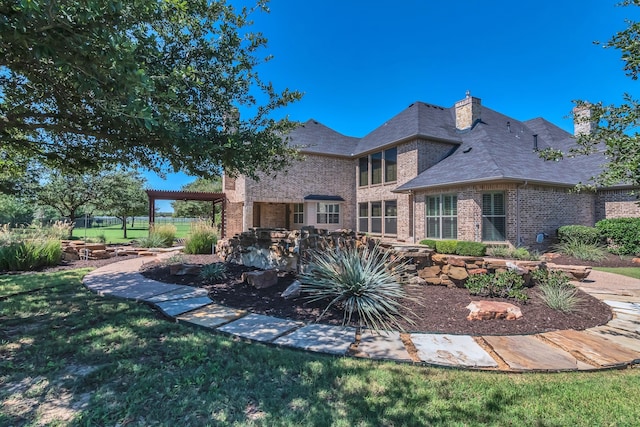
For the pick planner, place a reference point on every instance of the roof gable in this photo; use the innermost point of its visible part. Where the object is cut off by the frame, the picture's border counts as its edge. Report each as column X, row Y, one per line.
column 314, row 137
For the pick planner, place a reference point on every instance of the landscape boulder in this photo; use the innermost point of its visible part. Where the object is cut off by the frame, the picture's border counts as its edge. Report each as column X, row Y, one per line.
column 487, row 310
column 261, row 279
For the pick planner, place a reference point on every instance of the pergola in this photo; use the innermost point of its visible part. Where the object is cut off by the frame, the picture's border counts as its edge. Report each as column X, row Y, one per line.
column 214, row 198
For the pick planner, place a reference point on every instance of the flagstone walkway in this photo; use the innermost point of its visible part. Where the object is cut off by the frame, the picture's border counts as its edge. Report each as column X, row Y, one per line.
column 614, row 345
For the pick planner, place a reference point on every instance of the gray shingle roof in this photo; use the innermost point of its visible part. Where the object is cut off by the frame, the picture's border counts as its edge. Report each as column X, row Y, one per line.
column 491, row 150
column 316, row 138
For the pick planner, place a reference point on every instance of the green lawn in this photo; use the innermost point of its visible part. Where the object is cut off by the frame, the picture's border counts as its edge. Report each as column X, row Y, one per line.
column 66, row 353
column 625, row 271
column 114, row 233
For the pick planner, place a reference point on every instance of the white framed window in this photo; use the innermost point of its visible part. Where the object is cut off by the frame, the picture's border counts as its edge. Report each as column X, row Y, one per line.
column 328, row 213
column 298, row 213
column 390, row 217
column 442, row 216
column 494, row 217
column 376, row 217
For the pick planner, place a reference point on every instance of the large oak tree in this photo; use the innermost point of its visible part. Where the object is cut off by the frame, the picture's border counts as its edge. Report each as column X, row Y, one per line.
column 158, row 84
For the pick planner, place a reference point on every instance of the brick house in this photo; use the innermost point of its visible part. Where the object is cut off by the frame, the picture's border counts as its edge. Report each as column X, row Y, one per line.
column 465, row 172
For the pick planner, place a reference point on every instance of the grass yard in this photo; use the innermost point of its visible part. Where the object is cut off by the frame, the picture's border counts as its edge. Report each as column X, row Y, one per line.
column 70, row 357
column 625, row 271
column 114, row 233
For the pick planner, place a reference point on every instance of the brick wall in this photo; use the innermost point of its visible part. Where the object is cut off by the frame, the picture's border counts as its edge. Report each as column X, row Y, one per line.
column 540, row 209
column 616, row 204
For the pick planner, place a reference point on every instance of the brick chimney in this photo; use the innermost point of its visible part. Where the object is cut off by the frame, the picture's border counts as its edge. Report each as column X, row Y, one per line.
column 467, row 112
column 582, row 123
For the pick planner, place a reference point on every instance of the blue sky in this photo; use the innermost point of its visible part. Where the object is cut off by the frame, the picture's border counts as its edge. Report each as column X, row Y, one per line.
column 359, row 63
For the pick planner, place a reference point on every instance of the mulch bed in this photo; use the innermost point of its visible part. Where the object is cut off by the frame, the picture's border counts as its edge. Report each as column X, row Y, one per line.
column 432, row 308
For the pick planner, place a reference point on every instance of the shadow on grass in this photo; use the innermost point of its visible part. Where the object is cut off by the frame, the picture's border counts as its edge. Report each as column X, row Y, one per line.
column 120, row 363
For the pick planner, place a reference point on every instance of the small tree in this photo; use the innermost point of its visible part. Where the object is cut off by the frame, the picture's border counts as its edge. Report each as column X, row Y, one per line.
column 123, row 196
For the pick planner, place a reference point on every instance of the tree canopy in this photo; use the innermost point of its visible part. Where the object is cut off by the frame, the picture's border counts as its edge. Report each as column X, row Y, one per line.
column 165, row 85
column 616, row 126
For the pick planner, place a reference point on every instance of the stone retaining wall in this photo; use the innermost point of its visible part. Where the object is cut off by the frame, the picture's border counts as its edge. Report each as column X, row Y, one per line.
column 286, row 250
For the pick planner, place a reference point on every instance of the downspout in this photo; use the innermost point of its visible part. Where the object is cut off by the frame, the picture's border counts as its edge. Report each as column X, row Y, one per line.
column 412, row 203
column 518, row 237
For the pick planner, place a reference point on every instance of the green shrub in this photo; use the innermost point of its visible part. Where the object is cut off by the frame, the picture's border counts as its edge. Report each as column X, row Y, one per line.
column 558, row 293
column 30, row 254
column 202, row 239
column 622, row 234
column 580, row 233
column 582, row 250
column 499, row 251
column 166, row 232
column 153, row 240
column 507, row 284
column 429, row 243
column 471, row 248
column 446, row 246
column 359, row 282
column 213, row 273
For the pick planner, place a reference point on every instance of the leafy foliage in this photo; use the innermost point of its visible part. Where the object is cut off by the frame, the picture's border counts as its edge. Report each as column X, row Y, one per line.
column 362, row 283
column 155, row 84
column 446, row 246
column 580, row 249
column 471, row 248
column 557, row 292
column 429, row 243
column 581, row 233
column 122, row 195
column 201, row 239
column 153, row 240
column 212, row 273
column 519, row 253
column 506, row 284
column 622, row 234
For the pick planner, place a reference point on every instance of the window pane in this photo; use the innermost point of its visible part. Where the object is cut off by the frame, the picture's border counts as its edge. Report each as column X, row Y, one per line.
column 433, row 205
column 363, row 225
column 449, row 205
column 363, row 209
column 390, row 208
column 390, row 164
column 450, row 228
column 390, row 226
column 364, row 170
column 376, row 225
column 493, row 229
column 376, row 209
column 376, row 168
column 433, row 228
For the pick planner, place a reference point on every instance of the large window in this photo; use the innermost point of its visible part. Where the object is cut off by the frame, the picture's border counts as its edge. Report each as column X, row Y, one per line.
column 391, row 217
column 378, row 167
column 442, row 216
column 363, row 217
column 328, row 213
column 493, row 217
column 363, row 164
column 298, row 213
column 391, row 165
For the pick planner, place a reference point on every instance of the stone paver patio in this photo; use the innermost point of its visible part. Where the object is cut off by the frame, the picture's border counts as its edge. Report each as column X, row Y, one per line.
column 614, row 345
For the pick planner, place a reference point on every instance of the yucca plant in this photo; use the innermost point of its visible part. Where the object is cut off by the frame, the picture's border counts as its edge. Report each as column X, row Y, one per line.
column 213, row 273
column 362, row 282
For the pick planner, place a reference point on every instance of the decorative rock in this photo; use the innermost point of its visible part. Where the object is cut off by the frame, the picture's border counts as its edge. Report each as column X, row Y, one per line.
column 293, row 291
column 434, row 281
column 457, row 262
column 439, row 258
column 430, row 272
column 636, row 260
column 261, row 279
column 457, row 273
column 477, row 271
column 486, row 310
column 521, row 271
column 417, row 281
